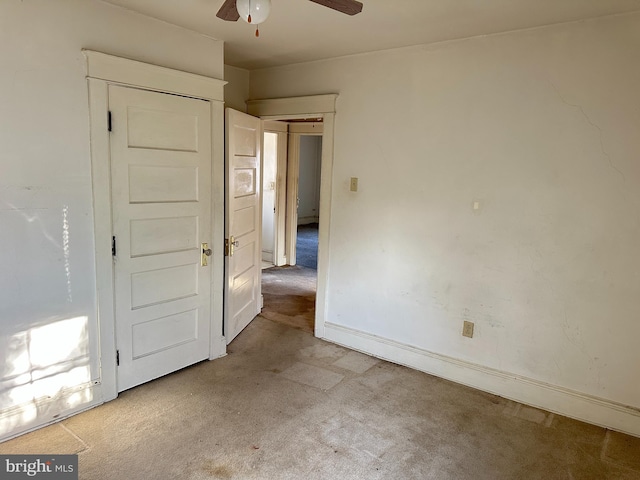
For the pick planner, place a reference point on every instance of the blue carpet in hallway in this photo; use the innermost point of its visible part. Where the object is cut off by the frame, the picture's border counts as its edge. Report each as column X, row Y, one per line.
column 307, row 246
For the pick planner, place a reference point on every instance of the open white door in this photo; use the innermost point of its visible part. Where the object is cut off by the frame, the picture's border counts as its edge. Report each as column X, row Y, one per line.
column 161, row 196
column 242, row 224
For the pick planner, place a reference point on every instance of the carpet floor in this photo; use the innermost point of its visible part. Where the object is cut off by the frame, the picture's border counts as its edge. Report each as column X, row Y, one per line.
column 290, row 295
column 285, row 405
column 307, row 246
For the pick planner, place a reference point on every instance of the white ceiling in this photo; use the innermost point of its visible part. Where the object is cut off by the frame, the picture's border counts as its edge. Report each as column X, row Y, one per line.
column 299, row 30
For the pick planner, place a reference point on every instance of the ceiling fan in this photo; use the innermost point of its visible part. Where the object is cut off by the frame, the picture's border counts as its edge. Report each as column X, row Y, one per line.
column 257, row 11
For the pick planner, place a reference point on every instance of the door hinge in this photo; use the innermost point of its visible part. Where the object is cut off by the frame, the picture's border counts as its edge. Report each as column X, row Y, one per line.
column 109, row 125
column 113, row 246
column 117, row 358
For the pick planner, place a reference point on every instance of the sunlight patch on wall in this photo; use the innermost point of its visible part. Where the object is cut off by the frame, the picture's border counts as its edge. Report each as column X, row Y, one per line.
column 65, row 249
column 47, row 372
column 58, row 342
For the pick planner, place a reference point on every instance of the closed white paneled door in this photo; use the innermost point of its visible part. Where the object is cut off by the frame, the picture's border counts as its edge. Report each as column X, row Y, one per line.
column 243, row 222
column 161, row 201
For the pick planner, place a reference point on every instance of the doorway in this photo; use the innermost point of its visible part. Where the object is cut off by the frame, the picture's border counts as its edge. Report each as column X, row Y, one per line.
column 291, row 185
column 320, row 107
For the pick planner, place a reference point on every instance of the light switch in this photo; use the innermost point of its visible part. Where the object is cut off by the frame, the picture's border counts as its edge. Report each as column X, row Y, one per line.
column 467, row 329
column 353, row 186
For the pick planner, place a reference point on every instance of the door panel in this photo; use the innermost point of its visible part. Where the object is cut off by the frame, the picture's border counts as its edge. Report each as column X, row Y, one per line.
column 153, row 184
column 161, row 200
column 243, row 221
column 163, row 235
column 162, row 130
column 164, row 332
column 162, row 285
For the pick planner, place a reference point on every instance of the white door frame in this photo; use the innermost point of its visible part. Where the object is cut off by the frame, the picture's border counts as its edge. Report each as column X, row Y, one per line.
column 316, row 106
column 102, row 70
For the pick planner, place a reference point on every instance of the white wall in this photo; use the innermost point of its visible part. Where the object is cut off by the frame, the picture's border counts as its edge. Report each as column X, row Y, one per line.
column 539, row 127
column 236, row 92
column 309, row 179
column 48, row 318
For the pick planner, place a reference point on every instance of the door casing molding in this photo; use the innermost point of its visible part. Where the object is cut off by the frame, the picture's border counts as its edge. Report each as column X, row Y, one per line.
column 315, row 106
column 104, row 70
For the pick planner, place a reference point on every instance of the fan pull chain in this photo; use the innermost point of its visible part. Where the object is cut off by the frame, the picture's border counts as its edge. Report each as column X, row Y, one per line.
column 257, row 31
column 249, row 19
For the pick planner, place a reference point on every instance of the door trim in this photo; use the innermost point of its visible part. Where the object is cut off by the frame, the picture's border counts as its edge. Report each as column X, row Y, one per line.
column 316, row 106
column 102, row 66
column 102, row 70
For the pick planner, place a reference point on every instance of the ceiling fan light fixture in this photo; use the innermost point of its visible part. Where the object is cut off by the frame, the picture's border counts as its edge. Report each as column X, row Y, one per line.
column 253, row 11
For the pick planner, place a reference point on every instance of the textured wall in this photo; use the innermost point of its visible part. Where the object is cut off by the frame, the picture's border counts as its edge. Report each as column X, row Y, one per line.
column 48, row 324
column 538, row 130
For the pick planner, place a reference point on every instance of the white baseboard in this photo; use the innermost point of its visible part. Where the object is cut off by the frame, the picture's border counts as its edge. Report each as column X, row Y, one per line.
column 308, row 220
column 563, row 401
column 20, row 419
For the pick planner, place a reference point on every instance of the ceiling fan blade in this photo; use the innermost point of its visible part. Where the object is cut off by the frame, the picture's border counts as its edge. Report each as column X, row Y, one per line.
column 350, row 7
column 228, row 11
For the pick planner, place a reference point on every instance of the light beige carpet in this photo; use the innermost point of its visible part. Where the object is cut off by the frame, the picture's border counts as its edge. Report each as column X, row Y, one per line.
column 285, row 405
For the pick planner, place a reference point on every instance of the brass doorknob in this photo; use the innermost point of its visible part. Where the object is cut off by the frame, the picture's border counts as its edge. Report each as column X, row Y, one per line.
column 206, row 252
